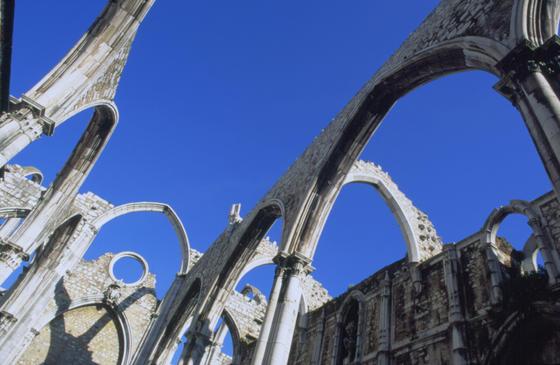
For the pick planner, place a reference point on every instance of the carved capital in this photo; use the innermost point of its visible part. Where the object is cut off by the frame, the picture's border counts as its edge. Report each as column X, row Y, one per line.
column 112, row 294
column 297, row 265
column 11, row 255
column 7, row 320
column 525, row 59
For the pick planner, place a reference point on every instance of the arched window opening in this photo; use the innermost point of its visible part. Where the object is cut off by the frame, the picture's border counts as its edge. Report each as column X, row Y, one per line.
column 180, row 324
column 460, row 153
column 516, row 241
column 348, row 333
column 274, row 234
column 259, row 278
column 225, row 342
column 360, row 237
column 179, row 353
column 515, row 230
column 148, row 234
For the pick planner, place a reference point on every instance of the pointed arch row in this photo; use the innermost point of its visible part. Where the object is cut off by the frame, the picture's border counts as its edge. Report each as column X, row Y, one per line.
column 173, row 218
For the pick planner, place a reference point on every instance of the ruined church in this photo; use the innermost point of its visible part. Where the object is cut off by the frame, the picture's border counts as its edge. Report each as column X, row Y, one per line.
column 476, row 301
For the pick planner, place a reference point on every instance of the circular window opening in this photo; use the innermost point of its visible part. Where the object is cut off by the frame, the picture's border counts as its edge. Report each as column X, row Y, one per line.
column 129, row 268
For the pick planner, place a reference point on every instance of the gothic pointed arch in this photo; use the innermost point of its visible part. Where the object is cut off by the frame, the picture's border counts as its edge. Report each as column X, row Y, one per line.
column 420, row 235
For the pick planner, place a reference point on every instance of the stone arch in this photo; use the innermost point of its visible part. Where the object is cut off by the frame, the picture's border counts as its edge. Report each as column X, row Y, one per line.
column 257, row 295
column 530, row 251
column 173, row 218
column 253, row 264
column 233, row 328
column 346, row 137
column 42, row 218
column 490, row 231
column 33, row 173
column 246, row 243
column 419, row 233
column 492, row 224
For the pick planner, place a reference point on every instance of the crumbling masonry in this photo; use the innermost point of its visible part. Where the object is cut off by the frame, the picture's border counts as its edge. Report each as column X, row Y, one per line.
column 477, row 301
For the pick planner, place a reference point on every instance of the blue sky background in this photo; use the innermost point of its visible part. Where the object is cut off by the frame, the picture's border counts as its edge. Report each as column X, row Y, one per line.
column 220, row 97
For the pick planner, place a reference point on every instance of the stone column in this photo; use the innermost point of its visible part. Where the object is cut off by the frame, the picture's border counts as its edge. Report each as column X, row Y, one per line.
column 545, row 249
column 456, row 319
column 217, row 344
column 495, row 271
column 264, row 334
column 21, row 127
column 384, row 321
column 285, row 318
column 528, row 71
column 197, row 348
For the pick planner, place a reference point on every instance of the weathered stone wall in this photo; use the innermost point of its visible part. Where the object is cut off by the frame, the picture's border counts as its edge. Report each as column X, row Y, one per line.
column 85, row 328
column 420, row 322
column 86, row 335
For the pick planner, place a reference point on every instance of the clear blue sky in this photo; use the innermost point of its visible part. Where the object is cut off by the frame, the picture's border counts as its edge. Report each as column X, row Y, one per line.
column 220, row 97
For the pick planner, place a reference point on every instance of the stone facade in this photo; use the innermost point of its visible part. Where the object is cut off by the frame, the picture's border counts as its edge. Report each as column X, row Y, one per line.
column 477, row 301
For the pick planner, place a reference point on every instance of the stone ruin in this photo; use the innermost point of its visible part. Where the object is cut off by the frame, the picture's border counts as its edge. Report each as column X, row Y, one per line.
column 477, row 301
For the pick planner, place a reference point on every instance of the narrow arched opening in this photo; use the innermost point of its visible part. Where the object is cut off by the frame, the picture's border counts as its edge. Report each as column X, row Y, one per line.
column 348, row 329
column 361, row 236
column 176, row 343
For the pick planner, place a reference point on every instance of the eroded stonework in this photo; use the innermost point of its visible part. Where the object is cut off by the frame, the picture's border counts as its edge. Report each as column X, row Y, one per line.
column 478, row 301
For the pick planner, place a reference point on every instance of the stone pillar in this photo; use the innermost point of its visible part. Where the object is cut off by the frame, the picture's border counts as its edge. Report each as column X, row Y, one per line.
column 456, row 319
column 11, row 257
column 545, row 249
column 197, row 348
column 21, row 127
column 260, row 347
column 384, row 321
column 495, row 270
column 217, row 344
column 285, row 318
column 529, row 75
